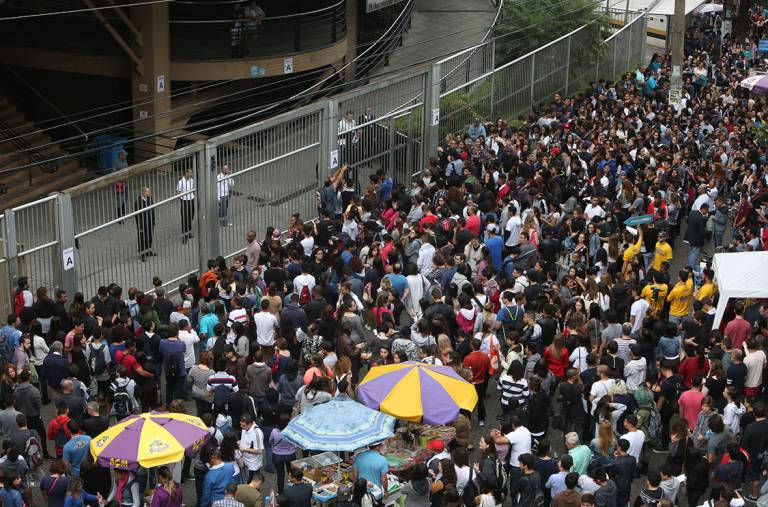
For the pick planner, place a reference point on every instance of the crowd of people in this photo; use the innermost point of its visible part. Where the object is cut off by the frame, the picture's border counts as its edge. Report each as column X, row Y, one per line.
column 508, row 260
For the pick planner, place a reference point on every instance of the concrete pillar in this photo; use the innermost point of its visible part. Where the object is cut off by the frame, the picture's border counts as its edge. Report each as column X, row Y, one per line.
column 349, row 73
column 151, row 81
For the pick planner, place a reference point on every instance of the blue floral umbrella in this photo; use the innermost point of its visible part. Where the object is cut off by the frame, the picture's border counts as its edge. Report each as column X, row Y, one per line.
column 339, row 425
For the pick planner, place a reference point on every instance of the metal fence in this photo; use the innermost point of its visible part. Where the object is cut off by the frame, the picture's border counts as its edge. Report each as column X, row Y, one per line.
column 276, row 165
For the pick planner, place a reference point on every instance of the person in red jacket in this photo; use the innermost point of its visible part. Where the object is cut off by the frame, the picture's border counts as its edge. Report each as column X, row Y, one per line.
column 557, row 356
column 58, row 429
column 479, row 363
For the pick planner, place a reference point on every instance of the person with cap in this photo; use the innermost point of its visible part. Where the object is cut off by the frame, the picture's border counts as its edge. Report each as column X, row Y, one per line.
column 438, row 447
column 182, row 313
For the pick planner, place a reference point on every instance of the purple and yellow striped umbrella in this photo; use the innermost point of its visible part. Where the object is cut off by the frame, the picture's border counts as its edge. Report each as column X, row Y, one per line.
column 149, row 440
column 417, row 392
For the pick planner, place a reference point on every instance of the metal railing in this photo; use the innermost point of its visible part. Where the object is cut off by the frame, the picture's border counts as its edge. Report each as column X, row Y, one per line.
column 206, row 39
column 276, row 165
column 25, row 152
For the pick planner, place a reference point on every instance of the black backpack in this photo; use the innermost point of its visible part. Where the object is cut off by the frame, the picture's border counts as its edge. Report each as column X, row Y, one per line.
column 96, row 359
column 122, row 404
column 173, row 369
column 220, row 397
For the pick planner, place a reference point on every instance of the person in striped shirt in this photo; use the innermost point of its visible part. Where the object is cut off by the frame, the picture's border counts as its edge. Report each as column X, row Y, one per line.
column 513, row 386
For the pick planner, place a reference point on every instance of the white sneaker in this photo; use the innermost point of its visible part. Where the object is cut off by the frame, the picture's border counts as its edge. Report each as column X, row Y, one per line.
column 481, row 423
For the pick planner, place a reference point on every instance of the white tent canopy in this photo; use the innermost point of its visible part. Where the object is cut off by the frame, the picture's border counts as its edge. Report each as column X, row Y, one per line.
column 739, row 275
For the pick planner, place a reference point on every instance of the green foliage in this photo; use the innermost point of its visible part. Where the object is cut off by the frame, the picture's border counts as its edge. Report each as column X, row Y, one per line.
column 533, row 24
column 760, row 133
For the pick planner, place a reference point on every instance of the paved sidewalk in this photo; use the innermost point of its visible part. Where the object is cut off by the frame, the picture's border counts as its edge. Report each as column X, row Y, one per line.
column 439, row 28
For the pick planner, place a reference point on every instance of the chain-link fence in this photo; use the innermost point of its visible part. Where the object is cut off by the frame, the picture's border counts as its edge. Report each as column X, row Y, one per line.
column 166, row 217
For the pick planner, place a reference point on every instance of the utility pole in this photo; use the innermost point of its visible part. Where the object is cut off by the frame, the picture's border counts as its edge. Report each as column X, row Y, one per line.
column 678, row 36
column 727, row 18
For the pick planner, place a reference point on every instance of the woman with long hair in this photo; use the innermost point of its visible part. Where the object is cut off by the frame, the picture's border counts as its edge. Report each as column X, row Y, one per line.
column 360, row 495
column 167, row 492
column 76, row 495
column 557, row 356
column 231, row 453
column 8, row 381
column 342, row 377
column 694, row 365
column 446, row 478
column 604, row 444
column 313, row 393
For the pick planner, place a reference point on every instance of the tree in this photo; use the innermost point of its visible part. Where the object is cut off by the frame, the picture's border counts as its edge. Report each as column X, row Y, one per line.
column 534, row 24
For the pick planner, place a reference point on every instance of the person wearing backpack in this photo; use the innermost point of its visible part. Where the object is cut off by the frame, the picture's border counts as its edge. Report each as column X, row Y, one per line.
column 489, row 472
column 77, row 449
column 669, row 393
column 172, row 349
column 28, row 441
column 220, row 385
column 29, row 402
column 9, row 339
column 526, row 491
column 22, row 296
column 123, row 399
column 58, row 431
column 99, row 361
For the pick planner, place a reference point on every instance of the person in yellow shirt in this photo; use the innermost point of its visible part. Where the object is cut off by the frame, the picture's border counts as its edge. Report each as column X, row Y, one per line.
column 663, row 251
column 631, row 252
column 656, row 293
column 680, row 298
column 708, row 287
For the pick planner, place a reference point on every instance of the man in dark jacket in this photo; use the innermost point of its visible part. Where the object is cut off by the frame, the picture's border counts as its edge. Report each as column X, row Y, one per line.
column 607, row 495
column 56, row 366
column 145, row 223
column 696, row 234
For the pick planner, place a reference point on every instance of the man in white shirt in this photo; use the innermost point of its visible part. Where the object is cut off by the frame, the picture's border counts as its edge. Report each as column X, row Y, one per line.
column 635, row 437
column 266, row 325
column 638, row 310
column 426, row 254
column 224, row 188
column 701, row 198
column 601, row 387
column 251, row 445
column 304, row 280
column 594, row 209
column 513, row 227
column 189, row 336
column 519, row 440
column 186, row 190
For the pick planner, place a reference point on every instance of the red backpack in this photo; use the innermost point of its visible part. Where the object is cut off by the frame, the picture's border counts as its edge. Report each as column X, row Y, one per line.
column 305, row 297
column 18, row 302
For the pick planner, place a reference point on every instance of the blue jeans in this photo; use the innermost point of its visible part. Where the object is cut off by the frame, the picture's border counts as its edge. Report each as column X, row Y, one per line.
column 648, row 258
column 693, row 256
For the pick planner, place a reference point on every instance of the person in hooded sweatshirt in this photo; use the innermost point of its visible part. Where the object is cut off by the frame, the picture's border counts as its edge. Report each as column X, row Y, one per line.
column 569, row 497
column 670, row 485
column 417, row 489
column 608, row 492
column 699, row 434
column 216, row 479
column 733, row 410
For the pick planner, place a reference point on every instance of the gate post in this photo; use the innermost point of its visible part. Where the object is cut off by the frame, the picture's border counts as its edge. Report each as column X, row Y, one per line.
column 207, row 203
column 431, row 135
column 11, row 251
column 65, row 236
